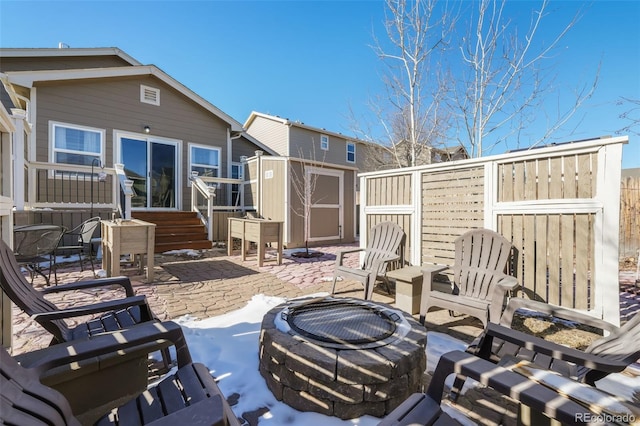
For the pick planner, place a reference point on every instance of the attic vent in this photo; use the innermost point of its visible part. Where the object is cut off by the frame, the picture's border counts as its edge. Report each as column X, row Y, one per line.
column 149, row 95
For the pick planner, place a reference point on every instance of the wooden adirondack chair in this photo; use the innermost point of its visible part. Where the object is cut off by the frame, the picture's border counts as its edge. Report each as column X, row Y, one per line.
column 479, row 281
column 386, row 239
column 609, row 354
column 188, row 397
column 116, row 314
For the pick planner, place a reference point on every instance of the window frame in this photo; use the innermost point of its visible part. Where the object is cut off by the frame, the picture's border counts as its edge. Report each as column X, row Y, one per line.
column 324, row 142
column 53, row 125
column 353, row 144
column 237, row 189
column 208, row 147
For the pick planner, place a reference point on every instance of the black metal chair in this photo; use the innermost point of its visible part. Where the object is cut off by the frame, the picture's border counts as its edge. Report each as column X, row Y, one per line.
column 35, row 245
column 81, row 237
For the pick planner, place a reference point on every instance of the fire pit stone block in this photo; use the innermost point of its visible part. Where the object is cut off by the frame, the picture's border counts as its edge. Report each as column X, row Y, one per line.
column 346, row 383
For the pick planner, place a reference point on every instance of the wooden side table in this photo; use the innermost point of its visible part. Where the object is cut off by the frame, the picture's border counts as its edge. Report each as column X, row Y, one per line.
column 409, row 285
column 134, row 237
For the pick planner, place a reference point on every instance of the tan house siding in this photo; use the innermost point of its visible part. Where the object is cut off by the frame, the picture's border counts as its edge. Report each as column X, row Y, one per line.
column 271, row 131
column 114, row 104
column 305, row 143
column 242, row 146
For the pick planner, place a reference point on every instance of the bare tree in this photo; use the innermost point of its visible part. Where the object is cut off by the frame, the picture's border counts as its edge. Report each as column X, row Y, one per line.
column 503, row 79
column 304, row 185
column 409, row 113
column 631, row 116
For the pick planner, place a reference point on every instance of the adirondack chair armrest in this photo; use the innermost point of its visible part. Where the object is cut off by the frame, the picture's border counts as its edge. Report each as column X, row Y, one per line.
column 540, row 398
column 507, row 283
column 342, row 253
column 122, row 281
column 429, row 271
column 516, row 303
column 92, row 309
column 209, row 411
column 545, row 347
column 143, row 334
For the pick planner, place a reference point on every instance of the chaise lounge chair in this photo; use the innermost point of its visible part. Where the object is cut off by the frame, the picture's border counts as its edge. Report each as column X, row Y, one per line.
column 385, row 240
column 190, row 396
column 479, row 281
column 609, row 354
column 425, row 409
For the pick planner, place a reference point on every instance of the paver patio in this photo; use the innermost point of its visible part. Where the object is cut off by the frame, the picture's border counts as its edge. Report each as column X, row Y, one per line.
column 212, row 284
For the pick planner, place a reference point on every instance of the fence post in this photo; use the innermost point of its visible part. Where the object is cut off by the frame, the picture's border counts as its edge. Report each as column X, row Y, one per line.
column 607, row 228
column 490, row 195
column 128, row 194
column 416, row 218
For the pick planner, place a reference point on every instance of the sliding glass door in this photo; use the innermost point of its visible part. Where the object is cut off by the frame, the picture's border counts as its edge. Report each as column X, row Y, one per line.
column 152, row 166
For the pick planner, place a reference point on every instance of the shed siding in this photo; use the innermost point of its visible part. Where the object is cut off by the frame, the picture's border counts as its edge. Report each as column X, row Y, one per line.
column 114, row 104
column 273, row 189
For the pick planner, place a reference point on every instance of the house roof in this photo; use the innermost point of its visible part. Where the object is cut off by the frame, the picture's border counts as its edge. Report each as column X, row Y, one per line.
column 287, row 122
column 28, row 78
column 51, row 52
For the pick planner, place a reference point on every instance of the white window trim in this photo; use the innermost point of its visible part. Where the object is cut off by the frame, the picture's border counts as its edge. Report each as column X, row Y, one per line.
column 190, row 164
column 145, row 100
column 53, row 150
column 322, row 147
column 353, row 144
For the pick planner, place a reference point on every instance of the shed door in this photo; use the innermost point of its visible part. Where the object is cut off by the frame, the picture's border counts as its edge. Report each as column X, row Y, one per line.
column 325, row 189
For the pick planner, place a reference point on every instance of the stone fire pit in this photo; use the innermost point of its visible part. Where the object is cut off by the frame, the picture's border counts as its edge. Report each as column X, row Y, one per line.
column 340, row 356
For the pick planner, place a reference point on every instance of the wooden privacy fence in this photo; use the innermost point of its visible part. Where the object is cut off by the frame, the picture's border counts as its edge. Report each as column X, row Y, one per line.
column 629, row 216
column 558, row 205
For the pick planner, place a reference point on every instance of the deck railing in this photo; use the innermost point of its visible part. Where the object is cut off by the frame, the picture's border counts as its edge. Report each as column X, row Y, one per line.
column 65, row 185
column 212, row 197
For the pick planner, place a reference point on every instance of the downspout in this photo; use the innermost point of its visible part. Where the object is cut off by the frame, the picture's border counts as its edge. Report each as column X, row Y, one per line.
column 230, row 138
column 19, row 117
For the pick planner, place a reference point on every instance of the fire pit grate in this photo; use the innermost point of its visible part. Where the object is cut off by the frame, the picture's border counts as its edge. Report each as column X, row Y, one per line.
column 332, row 321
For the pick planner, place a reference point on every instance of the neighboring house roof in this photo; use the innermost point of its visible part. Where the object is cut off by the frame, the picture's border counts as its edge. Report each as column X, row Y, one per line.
column 28, row 78
column 51, row 52
column 286, row 121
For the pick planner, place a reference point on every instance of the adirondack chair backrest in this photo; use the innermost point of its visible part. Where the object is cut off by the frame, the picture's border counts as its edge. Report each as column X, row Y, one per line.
column 26, row 401
column 481, row 257
column 620, row 345
column 384, row 240
column 22, row 293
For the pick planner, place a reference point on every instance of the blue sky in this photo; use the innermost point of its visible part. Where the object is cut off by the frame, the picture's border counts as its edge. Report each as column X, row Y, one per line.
column 312, row 60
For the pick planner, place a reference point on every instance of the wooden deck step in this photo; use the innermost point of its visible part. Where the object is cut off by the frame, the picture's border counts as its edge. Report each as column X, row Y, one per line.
column 176, row 230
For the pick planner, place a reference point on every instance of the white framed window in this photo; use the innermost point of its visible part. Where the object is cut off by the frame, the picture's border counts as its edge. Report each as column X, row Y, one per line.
column 351, row 152
column 205, row 160
column 149, row 95
column 74, row 144
column 237, row 172
column 324, row 142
